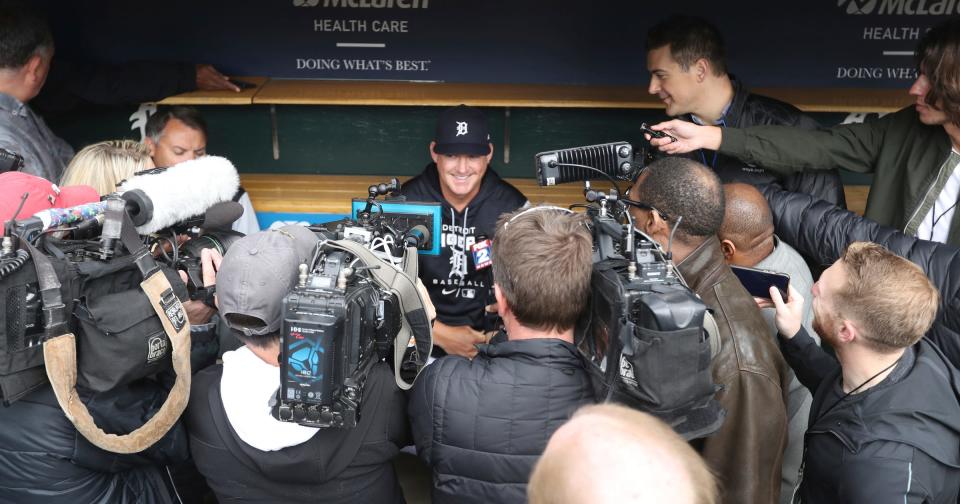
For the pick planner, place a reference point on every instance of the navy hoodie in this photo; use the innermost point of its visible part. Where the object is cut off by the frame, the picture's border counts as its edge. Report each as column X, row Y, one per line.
column 457, row 289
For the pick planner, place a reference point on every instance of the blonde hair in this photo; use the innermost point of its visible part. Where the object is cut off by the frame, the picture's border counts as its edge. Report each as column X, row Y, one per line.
column 890, row 298
column 105, row 164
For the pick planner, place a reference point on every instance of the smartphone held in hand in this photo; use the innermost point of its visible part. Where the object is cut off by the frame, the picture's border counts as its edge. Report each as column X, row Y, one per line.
column 758, row 281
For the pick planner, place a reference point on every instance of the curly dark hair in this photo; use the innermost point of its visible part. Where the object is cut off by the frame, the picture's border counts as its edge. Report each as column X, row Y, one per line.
column 938, row 57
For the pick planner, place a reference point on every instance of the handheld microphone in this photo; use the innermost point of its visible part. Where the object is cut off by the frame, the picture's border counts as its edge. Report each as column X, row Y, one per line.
column 55, row 217
column 614, row 160
column 180, row 192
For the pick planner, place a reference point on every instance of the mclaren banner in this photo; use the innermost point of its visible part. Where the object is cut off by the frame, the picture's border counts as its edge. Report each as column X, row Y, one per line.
column 798, row 43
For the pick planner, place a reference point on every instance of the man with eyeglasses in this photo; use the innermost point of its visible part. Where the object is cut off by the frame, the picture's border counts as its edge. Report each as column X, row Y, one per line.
column 684, row 199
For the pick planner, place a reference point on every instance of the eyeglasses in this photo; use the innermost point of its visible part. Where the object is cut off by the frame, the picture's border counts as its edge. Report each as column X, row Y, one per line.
column 644, row 206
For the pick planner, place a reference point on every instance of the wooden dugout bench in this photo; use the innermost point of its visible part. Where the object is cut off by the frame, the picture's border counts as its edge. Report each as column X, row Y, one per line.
column 337, row 92
column 332, row 193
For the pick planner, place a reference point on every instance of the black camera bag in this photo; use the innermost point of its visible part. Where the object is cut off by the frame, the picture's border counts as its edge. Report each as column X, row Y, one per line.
column 119, row 337
column 654, row 356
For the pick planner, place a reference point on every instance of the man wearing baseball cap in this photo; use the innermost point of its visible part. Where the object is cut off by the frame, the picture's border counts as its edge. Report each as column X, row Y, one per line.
column 240, row 448
column 473, row 197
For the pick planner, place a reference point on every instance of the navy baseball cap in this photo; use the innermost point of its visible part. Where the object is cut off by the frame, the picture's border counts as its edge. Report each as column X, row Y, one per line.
column 462, row 130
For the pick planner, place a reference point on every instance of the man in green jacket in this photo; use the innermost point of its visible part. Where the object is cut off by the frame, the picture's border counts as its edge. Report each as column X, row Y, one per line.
column 914, row 153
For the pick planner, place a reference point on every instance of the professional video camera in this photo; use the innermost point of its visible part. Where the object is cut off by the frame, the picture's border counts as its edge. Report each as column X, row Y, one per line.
column 84, row 303
column 649, row 338
column 355, row 304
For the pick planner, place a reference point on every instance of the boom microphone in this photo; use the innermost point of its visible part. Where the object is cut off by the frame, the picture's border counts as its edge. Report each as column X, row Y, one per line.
column 180, row 192
column 222, row 215
column 615, row 160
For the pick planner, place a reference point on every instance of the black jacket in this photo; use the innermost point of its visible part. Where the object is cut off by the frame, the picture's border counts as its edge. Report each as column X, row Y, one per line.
column 896, row 442
column 482, row 424
column 748, row 109
column 458, row 291
column 335, row 466
column 821, row 231
column 44, row 459
column 74, row 85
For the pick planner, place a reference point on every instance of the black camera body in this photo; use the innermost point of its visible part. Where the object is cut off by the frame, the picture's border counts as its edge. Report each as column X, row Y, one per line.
column 336, row 324
column 644, row 338
column 188, row 259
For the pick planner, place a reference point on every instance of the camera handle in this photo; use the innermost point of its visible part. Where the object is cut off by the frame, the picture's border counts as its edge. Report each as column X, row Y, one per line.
column 403, row 284
column 373, row 191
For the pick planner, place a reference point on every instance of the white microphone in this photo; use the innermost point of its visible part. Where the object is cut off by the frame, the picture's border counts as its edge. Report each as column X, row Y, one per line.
column 184, row 190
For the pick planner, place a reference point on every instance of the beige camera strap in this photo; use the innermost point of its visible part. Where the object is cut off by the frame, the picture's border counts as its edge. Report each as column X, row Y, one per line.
column 60, row 359
column 403, row 283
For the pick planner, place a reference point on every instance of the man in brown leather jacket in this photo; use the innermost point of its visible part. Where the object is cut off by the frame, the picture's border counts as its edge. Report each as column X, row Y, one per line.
column 746, row 453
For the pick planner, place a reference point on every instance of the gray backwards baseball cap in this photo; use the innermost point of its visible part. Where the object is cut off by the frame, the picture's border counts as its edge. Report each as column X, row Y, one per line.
column 257, row 272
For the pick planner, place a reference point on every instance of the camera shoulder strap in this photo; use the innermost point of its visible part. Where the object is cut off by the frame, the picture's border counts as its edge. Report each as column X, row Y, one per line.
column 60, row 358
column 713, row 333
column 404, row 284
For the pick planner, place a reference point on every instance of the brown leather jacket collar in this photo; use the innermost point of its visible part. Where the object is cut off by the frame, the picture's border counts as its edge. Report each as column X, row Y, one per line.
column 704, row 266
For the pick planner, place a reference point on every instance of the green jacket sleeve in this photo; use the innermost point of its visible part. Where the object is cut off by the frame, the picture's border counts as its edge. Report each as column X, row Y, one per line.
column 854, row 147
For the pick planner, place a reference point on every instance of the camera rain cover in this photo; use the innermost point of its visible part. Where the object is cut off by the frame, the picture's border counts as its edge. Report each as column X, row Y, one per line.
column 648, row 350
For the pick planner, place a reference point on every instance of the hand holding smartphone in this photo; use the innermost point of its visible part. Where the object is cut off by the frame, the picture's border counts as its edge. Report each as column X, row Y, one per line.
column 644, row 128
column 758, row 281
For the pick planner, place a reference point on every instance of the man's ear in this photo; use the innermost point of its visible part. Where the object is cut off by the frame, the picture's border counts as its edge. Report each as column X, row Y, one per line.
column 433, row 153
column 655, row 225
column 702, row 69
column 501, row 300
column 728, row 249
column 490, row 156
column 848, row 332
column 151, row 146
column 33, row 70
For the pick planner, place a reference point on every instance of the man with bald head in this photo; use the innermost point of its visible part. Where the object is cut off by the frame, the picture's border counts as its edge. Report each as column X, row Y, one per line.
column 613, row 454
column 747, row 239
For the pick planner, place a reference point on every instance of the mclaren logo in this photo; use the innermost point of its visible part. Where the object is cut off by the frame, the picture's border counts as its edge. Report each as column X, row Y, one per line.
column 900, row 7
column 858, row 6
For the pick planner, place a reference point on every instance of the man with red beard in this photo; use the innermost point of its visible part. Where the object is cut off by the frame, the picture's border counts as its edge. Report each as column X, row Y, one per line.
column 885, row 420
